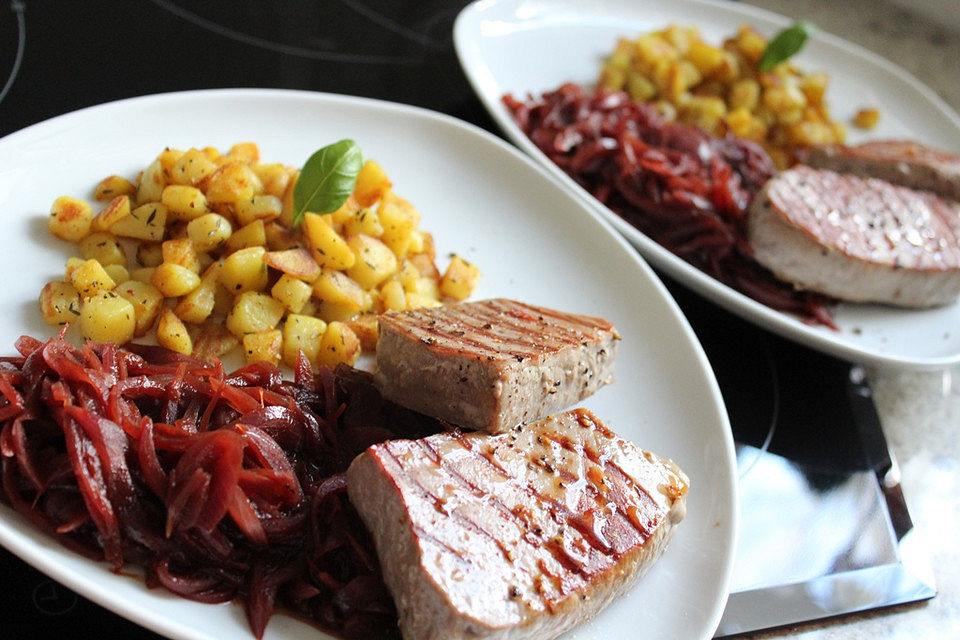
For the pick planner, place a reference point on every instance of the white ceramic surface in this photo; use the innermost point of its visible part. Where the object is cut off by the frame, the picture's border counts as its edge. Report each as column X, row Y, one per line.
column 479, row 197
column 531, row 46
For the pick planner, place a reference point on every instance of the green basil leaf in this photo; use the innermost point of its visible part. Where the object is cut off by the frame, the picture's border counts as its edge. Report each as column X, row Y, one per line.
column 327, row 179
column 784, row 45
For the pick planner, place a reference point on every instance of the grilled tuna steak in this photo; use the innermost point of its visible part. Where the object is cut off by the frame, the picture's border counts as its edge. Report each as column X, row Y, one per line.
column 517, row 535
column 492, row 364
column 858, row 239
column 909, row 164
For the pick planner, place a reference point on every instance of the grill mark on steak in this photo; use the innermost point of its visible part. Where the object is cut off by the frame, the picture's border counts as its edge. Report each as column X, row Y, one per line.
column 498, row 327
column 620, row 499
column 560, row 513
column 437, row 502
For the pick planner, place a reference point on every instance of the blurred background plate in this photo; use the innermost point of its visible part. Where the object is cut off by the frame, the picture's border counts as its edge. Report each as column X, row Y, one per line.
column 532, row 46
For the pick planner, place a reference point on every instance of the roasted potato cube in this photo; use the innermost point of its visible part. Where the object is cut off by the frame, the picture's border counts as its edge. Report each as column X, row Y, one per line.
column 107, row 317
column 346, row 211
column 103, row 248
column 146, row 301
column 263, row 346
column 168, row 158
column 750, row 43
column 173, row 334
column 418, row 301
column 424, row 286
column 338, row 288
column 113, row 186
column 249, row 151
column 253, row 312
column 251, row 235
column 182, row 252
column 274, row 178
column 192, row 167
column 367, row 329
column 70, row 218
column 460, row 279
column 173, row 280
column 259, row 207
column 196, row 306
column 213, row 340
column 302, row 333
column 146, row 222
column 339, row 344
column 328, row 247
column 294, row 262
column 142, row 274
column 151, row 184
column 59, row 303
column 407, row 273
column 222, row 300
column 208, row 231
column 393, row 296
column 814, row 87
column 231, row 183
column 184, row 202
column 280, row 237
column 72, row 264
column 372, row 183
column 330, row 311
column 115, row 210
column 244, row 270
column 399, row 219
column 365, row 221
column 425, row 264
column 293, row 293
column 375, row 261
column 89, row 279
column 744, row 93
column 117, row 272
column 150, row 254
column 286, row 215
column 866, row 118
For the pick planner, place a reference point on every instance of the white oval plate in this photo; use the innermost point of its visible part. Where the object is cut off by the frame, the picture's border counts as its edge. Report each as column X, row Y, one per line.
column 478, row 196
column 531, row 46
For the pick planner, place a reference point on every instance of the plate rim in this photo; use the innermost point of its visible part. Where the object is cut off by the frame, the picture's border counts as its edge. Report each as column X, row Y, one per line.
column 35, row 548
column 780, row 323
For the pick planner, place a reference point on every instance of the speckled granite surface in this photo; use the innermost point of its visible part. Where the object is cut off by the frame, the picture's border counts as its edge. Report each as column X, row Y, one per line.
column 920, row 412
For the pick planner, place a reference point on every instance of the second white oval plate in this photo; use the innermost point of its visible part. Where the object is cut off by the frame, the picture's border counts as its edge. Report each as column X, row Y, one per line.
column 531, row 46
column 479, row 197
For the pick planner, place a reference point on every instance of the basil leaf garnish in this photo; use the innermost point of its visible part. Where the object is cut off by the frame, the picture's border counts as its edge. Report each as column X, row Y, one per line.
column 785, row 45
column 327, row 179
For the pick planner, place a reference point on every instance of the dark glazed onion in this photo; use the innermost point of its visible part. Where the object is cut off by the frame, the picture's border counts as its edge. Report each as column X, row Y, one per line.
column 686, row 190
column 219, row 486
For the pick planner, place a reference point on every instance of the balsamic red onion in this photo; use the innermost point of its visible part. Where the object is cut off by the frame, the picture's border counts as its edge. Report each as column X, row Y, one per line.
column 219, row 486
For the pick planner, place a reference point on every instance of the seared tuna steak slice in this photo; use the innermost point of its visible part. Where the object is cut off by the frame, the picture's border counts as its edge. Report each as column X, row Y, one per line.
column 517, row 535
column 492, row 364
column 903, row 162
column 858, row 239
